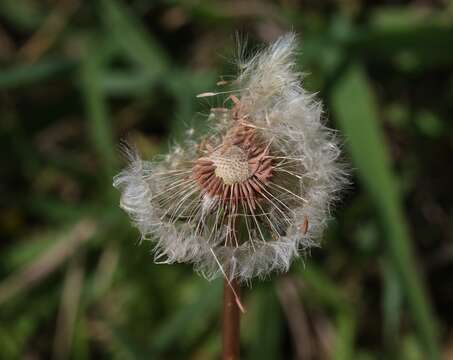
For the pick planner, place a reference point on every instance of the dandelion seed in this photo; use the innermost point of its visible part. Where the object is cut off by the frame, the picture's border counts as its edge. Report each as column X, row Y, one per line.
column 206, row 94
column 256, row 191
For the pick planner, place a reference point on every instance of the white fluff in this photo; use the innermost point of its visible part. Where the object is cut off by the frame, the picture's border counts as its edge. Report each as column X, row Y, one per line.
column 167, row 206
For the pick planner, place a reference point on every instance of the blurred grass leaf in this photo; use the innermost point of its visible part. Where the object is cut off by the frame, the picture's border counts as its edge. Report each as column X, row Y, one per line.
column 411, row 37
column 137, row 43
column 327, row 293
column 394, row 18
column 344, row 341
column 203, row 308
column 28, row 249
column 49, row 260
column 356, row 113
column 121, row 83
column 266, row 339
column 22, row 75
column 125, row 347
column 69, row 308
column 26, row 15
column 100, row 127
column 391, row 306
column 323, row 288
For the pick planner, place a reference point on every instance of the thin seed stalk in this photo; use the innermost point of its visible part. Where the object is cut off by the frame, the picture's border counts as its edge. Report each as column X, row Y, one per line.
column 231, row 321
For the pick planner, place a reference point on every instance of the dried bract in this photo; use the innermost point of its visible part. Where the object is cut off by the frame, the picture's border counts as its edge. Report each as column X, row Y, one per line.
column 252, row 194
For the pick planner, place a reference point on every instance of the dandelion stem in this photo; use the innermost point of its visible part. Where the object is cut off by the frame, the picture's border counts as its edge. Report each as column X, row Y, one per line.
column 231, row 320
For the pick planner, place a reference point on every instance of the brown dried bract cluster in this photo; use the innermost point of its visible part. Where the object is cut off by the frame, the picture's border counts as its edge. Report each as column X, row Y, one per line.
column 236, row 171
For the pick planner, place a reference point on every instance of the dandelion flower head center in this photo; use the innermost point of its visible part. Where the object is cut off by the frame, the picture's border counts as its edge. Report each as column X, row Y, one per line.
column 231, row 164
column 236, row 171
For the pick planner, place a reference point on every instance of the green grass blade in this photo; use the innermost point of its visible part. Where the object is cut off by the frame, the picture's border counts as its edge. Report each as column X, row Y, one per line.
column 22, row 75
column 137, row 43
column 356, row 113
column 122, row 83
column 47, row 261
column 174, row 330
column 266, row 322
column 391, row 306
column 324, row 291
column 100, row 127
column 25, row 15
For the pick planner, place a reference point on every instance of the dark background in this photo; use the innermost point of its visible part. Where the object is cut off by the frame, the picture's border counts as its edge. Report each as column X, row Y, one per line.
column 77, row 76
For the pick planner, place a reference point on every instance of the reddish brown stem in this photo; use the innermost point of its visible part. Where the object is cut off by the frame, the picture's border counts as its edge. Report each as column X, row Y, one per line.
column 231, row 321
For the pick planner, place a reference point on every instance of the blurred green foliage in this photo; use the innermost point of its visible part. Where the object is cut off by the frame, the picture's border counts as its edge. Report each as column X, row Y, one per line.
column 77, row 77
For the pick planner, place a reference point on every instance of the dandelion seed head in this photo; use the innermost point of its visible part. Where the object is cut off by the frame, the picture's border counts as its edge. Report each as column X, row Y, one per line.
column 256, row 191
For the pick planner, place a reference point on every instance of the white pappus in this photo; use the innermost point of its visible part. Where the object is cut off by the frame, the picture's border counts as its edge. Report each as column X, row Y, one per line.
column 254, row 192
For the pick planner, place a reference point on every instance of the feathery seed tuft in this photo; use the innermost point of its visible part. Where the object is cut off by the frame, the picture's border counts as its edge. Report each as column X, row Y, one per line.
column 253, row 194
